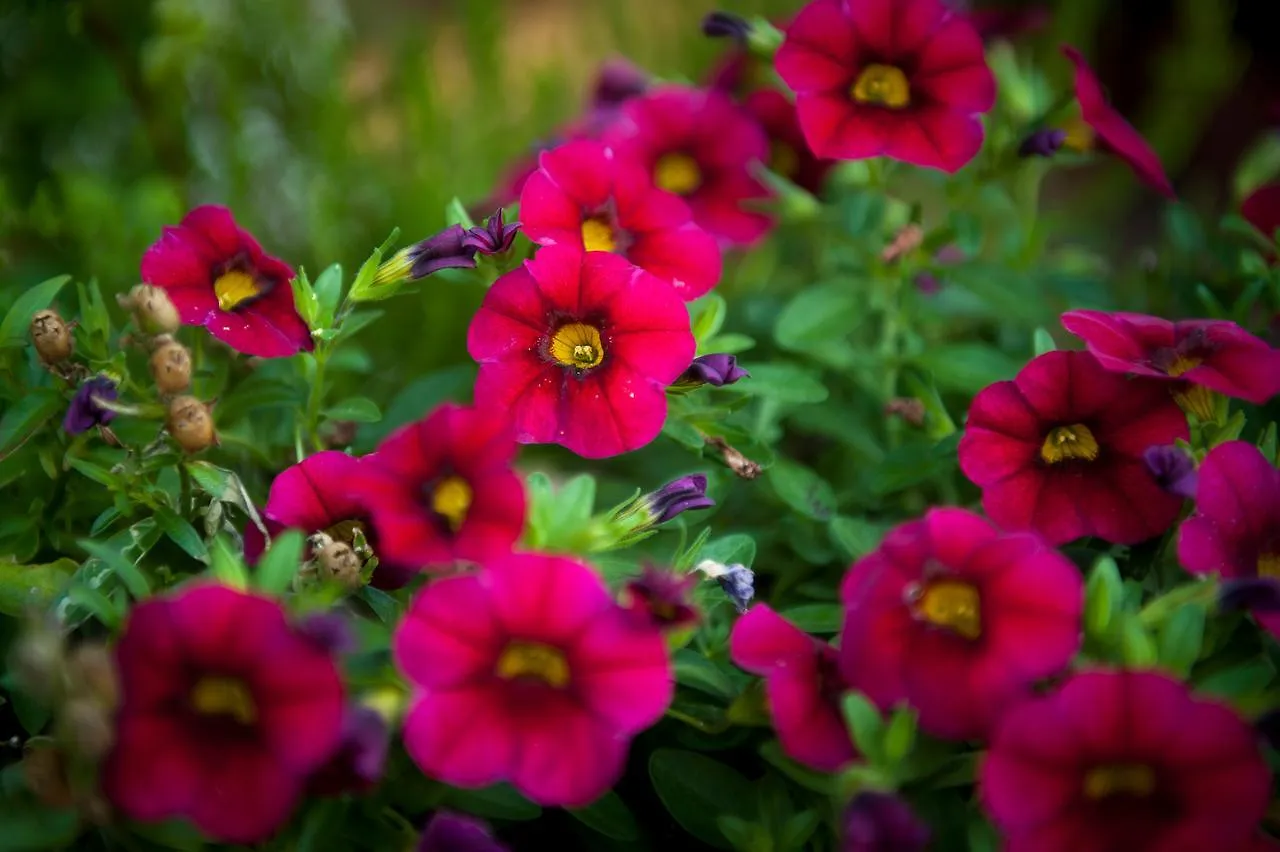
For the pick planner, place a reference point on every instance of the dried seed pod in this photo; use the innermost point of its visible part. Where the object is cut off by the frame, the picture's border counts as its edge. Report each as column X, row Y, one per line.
column 45, row 770
column 191, row 424
column 52, row 337
column 91, row 672
column 171, row 367
column 88, row 727
column 340, row 563
column 152, row 309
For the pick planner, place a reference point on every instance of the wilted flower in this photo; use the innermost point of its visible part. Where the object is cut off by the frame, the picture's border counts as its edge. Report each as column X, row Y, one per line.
column 1173, row 469
column 882, row 822
column 738, row 581
column 661, row 598
column 86, row 410
column 725, row 25
column 448, row 832
column 716, row 370
column 358, row 764
column 52, row 337
column 493, row 237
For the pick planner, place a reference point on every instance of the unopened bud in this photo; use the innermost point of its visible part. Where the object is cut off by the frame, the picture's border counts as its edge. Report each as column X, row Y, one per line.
column 152, row 308
column 339, row 562
column 44, row 768
column 52, row 337
column 190, row 424
column 171, row 367
column 91, row 672
column 88, row 727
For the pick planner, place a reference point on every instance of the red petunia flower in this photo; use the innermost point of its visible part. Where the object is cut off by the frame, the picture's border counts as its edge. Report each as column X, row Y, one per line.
column 700, row 145
column 226, row 710
column 1059, row 450
column 529, row 672
column 1262, row 210
column 442, row 490
column 217, row 276
column 1235, row 531
column 1124, row 761
column 789, row 154
column 584, row 196
column 578, row 349
column 958, row 620
column 1193, row 355
column 803, row 685
column 1105, row 128
column 905, row 79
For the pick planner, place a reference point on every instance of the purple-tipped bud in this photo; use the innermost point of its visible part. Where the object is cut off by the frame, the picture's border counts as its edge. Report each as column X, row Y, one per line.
column 1042, row 143
column 617, row 82
column 330, row 631
column 493, row 237
column 682, row 495
column 1173, row 470
column 725, row 25
column 361, row 758
column 449, row 832
column 1260, row 594
column 85, row 412
column 442, row 251
column 661, row 599
column 716, row 370
column 879, row 821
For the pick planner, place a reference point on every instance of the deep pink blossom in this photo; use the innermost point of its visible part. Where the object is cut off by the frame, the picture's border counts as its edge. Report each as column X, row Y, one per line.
column 1262, row 210
column 528, row 671
column 789, row 154
column 958, row 620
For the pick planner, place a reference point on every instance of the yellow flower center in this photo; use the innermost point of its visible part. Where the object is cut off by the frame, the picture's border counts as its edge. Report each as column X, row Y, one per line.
column 1066, row 443
column 597, row 235
column 577, row 345
column 677, row 172
column 224, row 696
column 952, row 604
column 533, row 660
column 1269, row 565
column 1080, row 136
column 1118, row 779
column 783, row 159
column 451, row 499
column 1196, row 399
column 1182, row 364
column 235, row 288
column 882, row 85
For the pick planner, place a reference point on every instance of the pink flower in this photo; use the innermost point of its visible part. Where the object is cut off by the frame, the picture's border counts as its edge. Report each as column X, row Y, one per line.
column 226, row 710
column 802, row 683
column 698, row 144
column 789, row 154
column 905, row 79
column 584, row 196
column 441, row 490
column 1124, row 761
column 958, row 620
column 217, row 275
column 528, row 672
column 578, row 349
column 1262, row 210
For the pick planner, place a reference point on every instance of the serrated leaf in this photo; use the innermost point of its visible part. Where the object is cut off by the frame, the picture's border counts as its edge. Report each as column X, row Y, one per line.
column 16, row 322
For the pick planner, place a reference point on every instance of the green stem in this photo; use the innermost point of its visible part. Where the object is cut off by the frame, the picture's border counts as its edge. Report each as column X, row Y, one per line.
column 316, row 396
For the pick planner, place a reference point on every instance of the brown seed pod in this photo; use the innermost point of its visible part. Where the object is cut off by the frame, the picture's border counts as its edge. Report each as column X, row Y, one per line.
column 91, row 672
column 171, row 367
column 52, row 337
column 45, row 770
column 88, row 727
column 191, row 424
column 340, row 563
column 152, row 309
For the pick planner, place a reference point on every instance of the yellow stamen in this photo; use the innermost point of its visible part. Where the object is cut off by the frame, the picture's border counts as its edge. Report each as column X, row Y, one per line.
column 882, row 85
column 224, row 696
column 1197, row 400
column 1183, row 363
column 783, row 160
column 952, row 604
column 597, row 235
column 234, row 288
column 678, row 173
column 451, row 500
column 1269, row 565
column 533, row 660
column 577, row 345
column 1134, row 779
column 1080, row 136
column 1067, row 443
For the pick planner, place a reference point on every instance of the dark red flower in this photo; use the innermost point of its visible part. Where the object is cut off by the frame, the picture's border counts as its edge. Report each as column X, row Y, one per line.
column 789, row 154
column 442, row 489
column 1262, row 209
column 740, row 72
column 1124, row 761
column 1005, row 21
column 802, row 683
column 1059, row 450
column 1190, row 354
column 217, row 276
column 584, row 196
column 905, row 79
column 700, row 145
column 226, row 710
column 578, row 349
column 1106, row 128
column 958, row 620
column 661, row 598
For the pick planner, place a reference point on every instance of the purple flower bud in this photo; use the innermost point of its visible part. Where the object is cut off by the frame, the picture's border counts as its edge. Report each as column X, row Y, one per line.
column 661, row 599
column 682, row 495
column 716, row 370
column 330, row 631
column 725, row 25
column 446, row 250
column 449, row 832
column 85, row 412
column 738, row 581
column 875, row 821
column 1173, row 470
column 493, row 237
column 1042, row 143
column 1260, row 594
column 361, row 757
column 617, row 82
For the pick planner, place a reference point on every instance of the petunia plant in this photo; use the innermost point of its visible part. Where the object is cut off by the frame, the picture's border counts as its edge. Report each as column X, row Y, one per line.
column 797, row 479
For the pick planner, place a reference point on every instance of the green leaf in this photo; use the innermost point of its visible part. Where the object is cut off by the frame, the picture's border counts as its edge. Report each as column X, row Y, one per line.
column 967, row 367
column 14, row 327
column 787, row 383
column 695, row 670
column 937, row 420
column 501, row 801
column 279, row 565
column 227, row 566
column 328, row 293
column 362, row 287
column 358, row 409
column 304, row 300
column 735, row 549
column 95, row 602
column 802, row 489
column 706, row 316
column 180, row 531
column 94, row 318
column 455, row 213
column 865, row 726
column 28, row 826
column 34, row 586
column 1238, row 681
column 796, row 831
column 856, row 537
column 696, row 790
column 383, row 605
column 1136, row 645
column 97, row 473
column 821, row 314
column 1181, row 638
column 610, row 816
column 25, row 416
column 816, row 617
column 808, row 778
column 900, row 736
column 1042, row 342
column 128, row 573
column 1103, row 599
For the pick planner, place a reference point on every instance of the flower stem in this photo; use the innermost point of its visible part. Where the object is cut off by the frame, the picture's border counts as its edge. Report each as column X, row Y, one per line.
column 316, row 396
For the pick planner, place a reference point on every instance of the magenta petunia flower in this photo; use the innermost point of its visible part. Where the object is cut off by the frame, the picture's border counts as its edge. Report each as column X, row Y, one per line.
column 802, row 683
column 441, row 490
column 1124, row 761
column 578, row 349
column 226, row 710
column 584, row 196
column 528, row 671
column 1193, row 355
column 1102, row 127
column 217, row 276
column 1235, row 531
column 905, row 79
column 789, row 154
column 958, row 620
column 1262, row 210
column 1059, row 450
column 700, row 145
